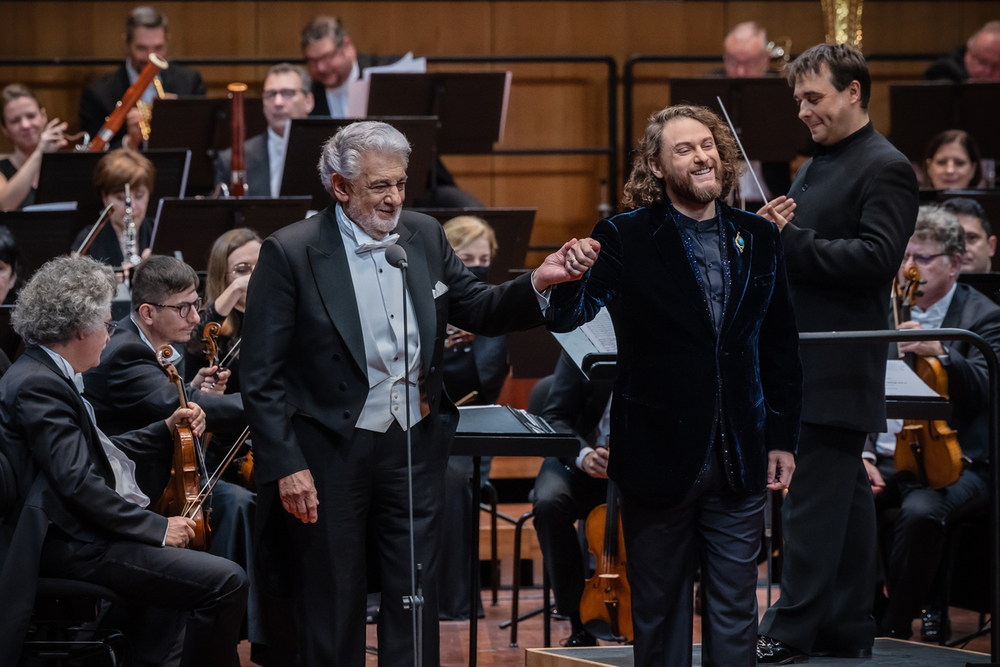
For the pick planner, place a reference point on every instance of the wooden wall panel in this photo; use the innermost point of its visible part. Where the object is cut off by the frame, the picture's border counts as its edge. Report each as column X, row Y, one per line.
column 551, row 105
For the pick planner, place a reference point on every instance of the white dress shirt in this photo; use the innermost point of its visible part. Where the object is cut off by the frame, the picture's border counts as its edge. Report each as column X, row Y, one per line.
column 276, row 146
column 378, row 287
column 121, row 465
column 603, row 430
column 336, row 98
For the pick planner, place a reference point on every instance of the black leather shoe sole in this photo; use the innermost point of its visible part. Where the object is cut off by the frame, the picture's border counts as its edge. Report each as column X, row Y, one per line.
column 851, row 654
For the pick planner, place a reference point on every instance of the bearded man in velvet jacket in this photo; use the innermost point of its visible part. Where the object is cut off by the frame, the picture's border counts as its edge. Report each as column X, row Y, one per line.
column 706, row 402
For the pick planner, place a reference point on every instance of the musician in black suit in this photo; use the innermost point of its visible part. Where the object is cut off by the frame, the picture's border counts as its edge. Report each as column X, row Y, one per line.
column 567, row 490
column 857, row 204
column 77, row 512
column 334, row 62
column 702, row 423
column 916, row 543
column 977, row 60
column 324, row 381
column 286, row 96
column 146, row 32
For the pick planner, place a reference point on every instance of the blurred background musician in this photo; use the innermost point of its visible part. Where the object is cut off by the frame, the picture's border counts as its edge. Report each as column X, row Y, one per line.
column 915, row 542
column 79, row 513
column 566, row 490
column 24, row 121
column 286, row 96
column 112, row 172
column 471, row 364
column 978, row 60
column 980, row 243
column 334, row 62
column 12, row 277
column 146, row 32
column 952, row 161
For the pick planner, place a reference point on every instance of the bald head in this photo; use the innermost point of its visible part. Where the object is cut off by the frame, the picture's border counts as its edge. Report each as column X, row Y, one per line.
column 982, row 53
column 746, row 53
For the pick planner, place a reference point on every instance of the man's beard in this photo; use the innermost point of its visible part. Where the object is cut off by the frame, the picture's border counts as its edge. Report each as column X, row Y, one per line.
column 370, row 223
column 684, row 188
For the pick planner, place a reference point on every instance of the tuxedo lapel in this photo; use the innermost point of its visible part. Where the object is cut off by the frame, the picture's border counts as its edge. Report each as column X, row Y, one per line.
column 667, row 240
column 739, row 268
column 418, row 284
column 328, row 262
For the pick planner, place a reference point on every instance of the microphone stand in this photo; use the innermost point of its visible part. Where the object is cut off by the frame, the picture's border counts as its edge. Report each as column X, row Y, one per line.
column 415, row 601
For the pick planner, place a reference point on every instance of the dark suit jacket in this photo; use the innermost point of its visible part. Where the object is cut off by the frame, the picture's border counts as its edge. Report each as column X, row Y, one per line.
column 129, row 389
column 677, row 380
column 63, row 476
column 950, row 67
column 258, row 166
column 575, row 404
column 100, row 97
column 857, row 206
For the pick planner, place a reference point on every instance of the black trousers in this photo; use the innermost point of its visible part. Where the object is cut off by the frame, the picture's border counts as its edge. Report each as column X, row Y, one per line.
column 213, row 589
column 828, row 575
column 362, row 483
column 716, row 529
column 562, row 495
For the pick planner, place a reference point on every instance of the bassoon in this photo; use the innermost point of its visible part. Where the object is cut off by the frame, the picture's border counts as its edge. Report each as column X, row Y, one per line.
column 238, row 174
column 113, row 123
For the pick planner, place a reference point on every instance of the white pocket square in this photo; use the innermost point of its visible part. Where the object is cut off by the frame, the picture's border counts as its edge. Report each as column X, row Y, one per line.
column 439, row 289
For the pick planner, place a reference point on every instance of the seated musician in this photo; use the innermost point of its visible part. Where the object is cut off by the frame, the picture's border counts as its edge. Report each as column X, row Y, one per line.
column 78, row 512
column 952, row 162
column 916, row 541
column 146, row 32
column 11, row 267
column 334, row 63
column 112, row 173
column 977, row 60
column 24, row 121
column 567, row 490
column 471, row 364
column 980, row 243
column 286, row 96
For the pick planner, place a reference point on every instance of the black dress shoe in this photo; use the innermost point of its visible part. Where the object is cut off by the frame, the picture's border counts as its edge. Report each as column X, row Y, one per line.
column 581, row 638
column 774, row 652
column 934, row 625
column 849, row 653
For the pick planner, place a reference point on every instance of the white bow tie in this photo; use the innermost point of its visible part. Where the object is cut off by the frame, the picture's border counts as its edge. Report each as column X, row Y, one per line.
column 375, row 245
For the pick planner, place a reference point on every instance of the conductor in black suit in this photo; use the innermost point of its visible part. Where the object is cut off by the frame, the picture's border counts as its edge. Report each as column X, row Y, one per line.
column 146, row 32
column 856, row 207
column 705, row 406
column 76, row 511
column 323, row 378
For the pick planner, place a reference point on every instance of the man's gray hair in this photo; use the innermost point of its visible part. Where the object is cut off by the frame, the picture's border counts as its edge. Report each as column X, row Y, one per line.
column 936, row 225
column 343, row 152
column 67, row 295
column 286, row 68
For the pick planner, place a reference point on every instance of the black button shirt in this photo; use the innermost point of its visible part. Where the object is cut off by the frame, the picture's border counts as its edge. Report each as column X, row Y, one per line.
column 706, row 243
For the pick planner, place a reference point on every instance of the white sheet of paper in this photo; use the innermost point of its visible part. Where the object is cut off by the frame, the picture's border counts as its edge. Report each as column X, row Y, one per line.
column 900, row 380
column 601, row 333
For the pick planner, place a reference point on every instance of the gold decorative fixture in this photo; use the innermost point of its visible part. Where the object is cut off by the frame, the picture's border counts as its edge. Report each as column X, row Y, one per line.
column 843, row 21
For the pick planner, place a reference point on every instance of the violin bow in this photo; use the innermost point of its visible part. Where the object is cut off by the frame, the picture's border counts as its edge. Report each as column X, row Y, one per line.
column 206, row 489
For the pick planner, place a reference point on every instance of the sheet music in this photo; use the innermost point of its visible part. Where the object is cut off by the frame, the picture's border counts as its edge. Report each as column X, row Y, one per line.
column 601, row 333
column 900, row 380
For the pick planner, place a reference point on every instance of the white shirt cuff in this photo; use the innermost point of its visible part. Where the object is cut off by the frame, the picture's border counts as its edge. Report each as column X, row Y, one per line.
column 582, row 455
column 543, row 296
column 869, row 456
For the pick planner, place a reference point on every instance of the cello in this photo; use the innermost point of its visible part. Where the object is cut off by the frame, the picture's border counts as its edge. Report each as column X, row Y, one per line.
column 606, row 605
column 927, row 449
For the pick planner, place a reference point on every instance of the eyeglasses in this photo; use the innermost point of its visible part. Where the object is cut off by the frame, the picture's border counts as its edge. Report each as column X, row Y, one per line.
column 287, row 93
column 325, row 58
column 243, row 269
column 111, row 327
column 382, row 189
column 183, row 309
column 922, row 260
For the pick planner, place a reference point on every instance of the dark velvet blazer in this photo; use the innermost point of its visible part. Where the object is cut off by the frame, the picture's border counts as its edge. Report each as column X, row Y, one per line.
column 677, row 380
column 258, row 164
column 62, row 475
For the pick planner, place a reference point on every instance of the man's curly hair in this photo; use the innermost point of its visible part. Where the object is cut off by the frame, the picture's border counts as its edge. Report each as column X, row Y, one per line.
column 644, row 188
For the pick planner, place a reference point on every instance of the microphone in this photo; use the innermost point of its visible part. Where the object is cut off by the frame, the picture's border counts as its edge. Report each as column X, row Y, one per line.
column 396, row 256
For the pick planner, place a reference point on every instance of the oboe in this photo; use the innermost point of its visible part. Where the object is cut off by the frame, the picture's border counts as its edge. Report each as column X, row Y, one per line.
column 131, row 236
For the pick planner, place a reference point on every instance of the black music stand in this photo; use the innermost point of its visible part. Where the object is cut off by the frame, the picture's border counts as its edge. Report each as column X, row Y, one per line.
column 763, row 112
column 308, row 136
column 513, row 231
column 187, row 228
column 70, row 177
column 202, row 125
column 40, row 235
column 469, row 105
column 919, row 111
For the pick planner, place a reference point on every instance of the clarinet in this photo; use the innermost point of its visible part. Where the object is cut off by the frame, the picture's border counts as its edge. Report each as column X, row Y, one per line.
column 131, row 235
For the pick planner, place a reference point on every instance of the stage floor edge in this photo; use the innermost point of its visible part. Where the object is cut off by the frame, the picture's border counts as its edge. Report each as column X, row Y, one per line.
column 887, row 652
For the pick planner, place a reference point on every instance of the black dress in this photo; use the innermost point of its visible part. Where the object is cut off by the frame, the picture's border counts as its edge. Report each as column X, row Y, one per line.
column 8, row 169
column 106, row 248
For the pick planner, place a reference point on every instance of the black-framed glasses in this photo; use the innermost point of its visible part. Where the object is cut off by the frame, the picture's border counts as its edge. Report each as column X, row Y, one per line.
column 111, row 326
column 243, row 269
column 183, row 309
column 922, row 260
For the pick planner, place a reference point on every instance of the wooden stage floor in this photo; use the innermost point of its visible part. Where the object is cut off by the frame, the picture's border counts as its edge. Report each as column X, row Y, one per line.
column 494, row 648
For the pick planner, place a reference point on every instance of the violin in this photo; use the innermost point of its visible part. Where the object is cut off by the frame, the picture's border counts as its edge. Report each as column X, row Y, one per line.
column 183, row 495
column 606, row 605
column 210, row 339
column 928, row 449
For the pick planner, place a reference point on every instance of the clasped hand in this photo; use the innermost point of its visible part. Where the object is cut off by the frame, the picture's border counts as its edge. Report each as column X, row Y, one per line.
column 570, row 262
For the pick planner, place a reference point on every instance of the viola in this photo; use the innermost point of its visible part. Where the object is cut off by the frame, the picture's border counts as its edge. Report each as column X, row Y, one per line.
column 606, row 605
column 928, row 449
column 183, row 495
